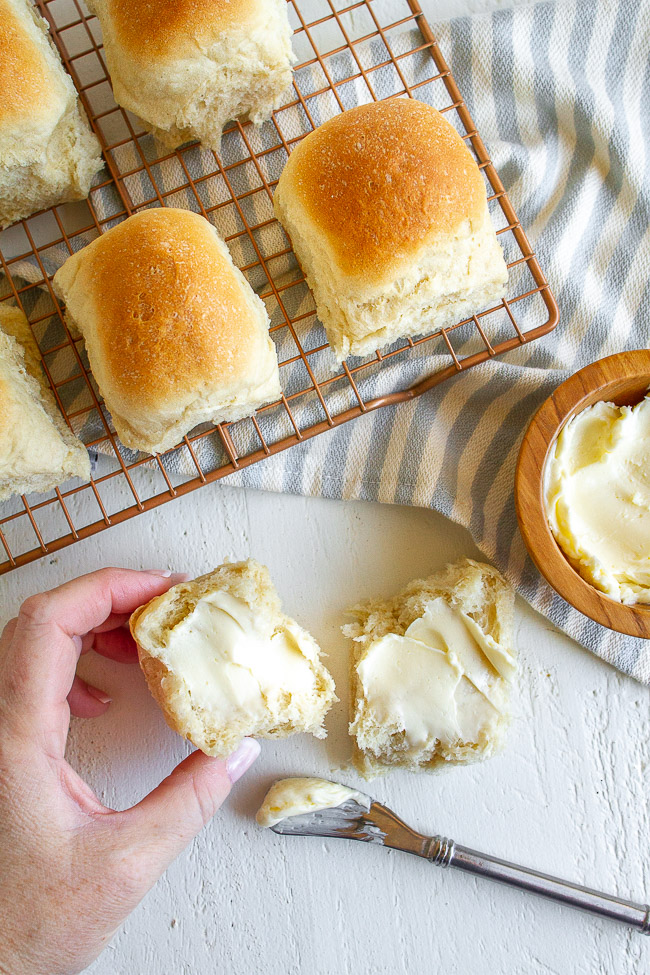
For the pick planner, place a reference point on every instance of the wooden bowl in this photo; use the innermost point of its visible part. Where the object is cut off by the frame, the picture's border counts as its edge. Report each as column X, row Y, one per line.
column 622, row 379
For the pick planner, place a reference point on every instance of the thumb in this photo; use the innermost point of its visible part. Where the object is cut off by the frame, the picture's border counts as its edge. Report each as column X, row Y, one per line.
column 165, row 821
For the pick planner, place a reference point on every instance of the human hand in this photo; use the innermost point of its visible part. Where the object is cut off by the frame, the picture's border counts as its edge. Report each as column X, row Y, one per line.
column 71, row 869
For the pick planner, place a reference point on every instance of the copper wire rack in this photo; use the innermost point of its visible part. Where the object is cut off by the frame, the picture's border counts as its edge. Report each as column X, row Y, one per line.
column 347, row 53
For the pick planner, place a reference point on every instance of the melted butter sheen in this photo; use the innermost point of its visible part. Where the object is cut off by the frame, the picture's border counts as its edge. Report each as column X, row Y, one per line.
column 444, row 679
column 296, row 797
column 598, row 498
column 231, row 665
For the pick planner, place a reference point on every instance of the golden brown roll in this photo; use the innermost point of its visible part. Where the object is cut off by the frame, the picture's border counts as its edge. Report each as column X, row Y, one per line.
column 48, row 154
column 387, row 213
column 187, row 67
column 174, row 332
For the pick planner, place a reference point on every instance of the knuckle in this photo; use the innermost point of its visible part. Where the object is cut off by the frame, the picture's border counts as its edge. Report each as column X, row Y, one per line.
column 37, row 609
column 124, row 869
column 109, row 579
column 205, row 799
column 128, row 873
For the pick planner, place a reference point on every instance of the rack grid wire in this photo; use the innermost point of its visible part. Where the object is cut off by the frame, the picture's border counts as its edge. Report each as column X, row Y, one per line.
column 348, row 53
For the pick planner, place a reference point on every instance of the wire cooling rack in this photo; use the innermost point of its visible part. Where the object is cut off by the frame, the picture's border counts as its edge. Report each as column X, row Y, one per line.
column 348, row 53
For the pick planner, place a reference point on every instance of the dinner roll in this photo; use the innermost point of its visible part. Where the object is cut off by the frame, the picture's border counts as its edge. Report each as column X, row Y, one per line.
column 48, row 154
column 174, row 332
column 432, row 671
column 37, row 449
column 187, row 67
column 224, row 662
column 387, row 214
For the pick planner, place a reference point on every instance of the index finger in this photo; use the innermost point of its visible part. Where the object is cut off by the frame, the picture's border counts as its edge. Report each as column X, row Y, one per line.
column 38, row 664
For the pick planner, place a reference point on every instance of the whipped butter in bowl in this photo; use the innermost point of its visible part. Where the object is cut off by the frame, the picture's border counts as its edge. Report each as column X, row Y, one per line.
column 597, row 497
column 582, row 491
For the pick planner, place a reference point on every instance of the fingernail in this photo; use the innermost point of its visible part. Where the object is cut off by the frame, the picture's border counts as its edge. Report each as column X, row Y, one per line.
column 98, row 695
column 242, row 759
column 78, row 642
column 168, row 574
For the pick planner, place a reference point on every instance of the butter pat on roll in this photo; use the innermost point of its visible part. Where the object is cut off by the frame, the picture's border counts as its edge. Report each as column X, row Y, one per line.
column 432, row 671
column 223, row 661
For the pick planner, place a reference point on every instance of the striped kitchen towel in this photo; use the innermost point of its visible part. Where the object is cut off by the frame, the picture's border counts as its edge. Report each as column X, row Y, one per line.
column 560, row 93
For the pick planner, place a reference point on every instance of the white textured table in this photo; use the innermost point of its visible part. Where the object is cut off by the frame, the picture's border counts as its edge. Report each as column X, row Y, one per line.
column 569, row 795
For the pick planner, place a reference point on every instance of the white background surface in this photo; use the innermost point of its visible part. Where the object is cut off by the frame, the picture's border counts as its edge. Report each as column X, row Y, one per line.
column 569, row 794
